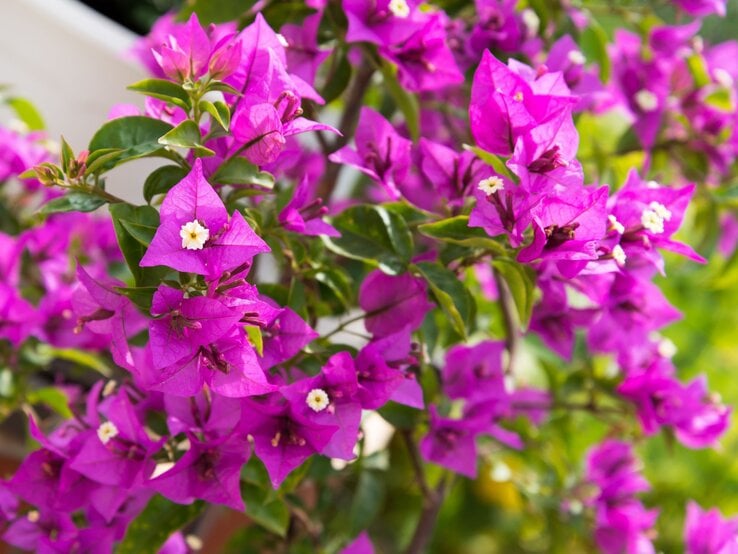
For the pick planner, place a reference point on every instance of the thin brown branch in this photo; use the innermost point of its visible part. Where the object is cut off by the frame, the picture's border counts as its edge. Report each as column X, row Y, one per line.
column 347, row 125
column 512, row 326
column 427, row 522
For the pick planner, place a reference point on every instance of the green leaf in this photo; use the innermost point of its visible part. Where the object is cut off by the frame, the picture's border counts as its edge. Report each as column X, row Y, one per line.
column 286, row 11
column 217, row 11
column 73, row 202
column 164, row 90
column 219, row 112
column 593, row 42
column 186, row 135
column 142, row 232
column 520, row 280
column 266, row 509
column 492, row 160
column 375, row 235
column 256, row 338
column 698, row 69
column 79, row 357
column 239, row 171
column 156, row 523
column 140, row 296
column 54, row 398
column 67, row 154
column 338, row 283
column 451, row 295
column 27, row 113
column 456, row 230
column 220, row 86
column 400, row 416
column 161, row 180
column 135, row 136
column 405, row 101
column 720, row 99
column 134, row 226
column 339, row 76
column 368, row 500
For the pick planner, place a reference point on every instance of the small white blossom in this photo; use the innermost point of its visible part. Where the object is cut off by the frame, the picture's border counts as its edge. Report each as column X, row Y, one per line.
column 491, row 185
column 194, row 235
column 399, row 8
column 194, row 542
column 531, row 21
column 652, row 222
column 33, row 516
column 615, row 224
column 107, row 431
column 723, row 78
column 666, row 348
column 654, row 216
column 646, row 100
column 661, row 210
column 576, row 57
column 318, row 400
column 618, row 254
column 652, row 184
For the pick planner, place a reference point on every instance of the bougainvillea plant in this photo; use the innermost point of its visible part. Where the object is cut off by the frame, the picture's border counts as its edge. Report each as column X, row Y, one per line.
column 399, row 259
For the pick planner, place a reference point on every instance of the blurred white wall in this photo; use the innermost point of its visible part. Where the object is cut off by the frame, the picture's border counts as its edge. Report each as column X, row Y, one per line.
column 69, row 61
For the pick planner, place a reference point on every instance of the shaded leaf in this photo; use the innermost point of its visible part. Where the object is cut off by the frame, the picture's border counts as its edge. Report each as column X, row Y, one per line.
column 163, row 90
column 161, row 180
column 156, row 523
column 373, row 234
column 520, row 280
column 451, row 295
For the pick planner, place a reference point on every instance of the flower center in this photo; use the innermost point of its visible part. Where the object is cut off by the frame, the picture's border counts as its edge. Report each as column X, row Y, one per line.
column 654, row 216
column 194, row 235
column 576, row 57
column 399, row 8
column 491, row 185
column 107, row 431
column 318, row 400
column 618, row 254
column 646, row 100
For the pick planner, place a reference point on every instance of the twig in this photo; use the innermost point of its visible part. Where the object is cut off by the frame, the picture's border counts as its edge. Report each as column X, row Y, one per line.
column 347, row 126
column 412, row 449
column 512, row 339
column 429, row 515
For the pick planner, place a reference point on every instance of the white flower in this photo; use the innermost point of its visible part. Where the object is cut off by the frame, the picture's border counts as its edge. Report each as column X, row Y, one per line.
column 399, row 8
column 576, row 57
column 531, row 21
column 662, row 211
column 618, row 254
column 491, row 185
column 107, row 431
column 654, row 216
column 615, row 224
column 318, row 400
column 646, row 100
column 194, row 235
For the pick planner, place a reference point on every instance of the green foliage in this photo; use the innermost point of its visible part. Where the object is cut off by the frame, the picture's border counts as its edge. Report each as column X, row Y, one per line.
column 375, row 235
column 152, row 527
column 125, row 139
column 135, row 227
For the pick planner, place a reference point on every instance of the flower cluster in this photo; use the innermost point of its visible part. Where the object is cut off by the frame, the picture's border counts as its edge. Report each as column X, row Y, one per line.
column 479, row 244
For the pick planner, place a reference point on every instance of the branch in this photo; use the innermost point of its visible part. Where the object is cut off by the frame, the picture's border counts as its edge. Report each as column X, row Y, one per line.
column 417, row 465
column 347, row 126
column 429, row 515
column 512, row 338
